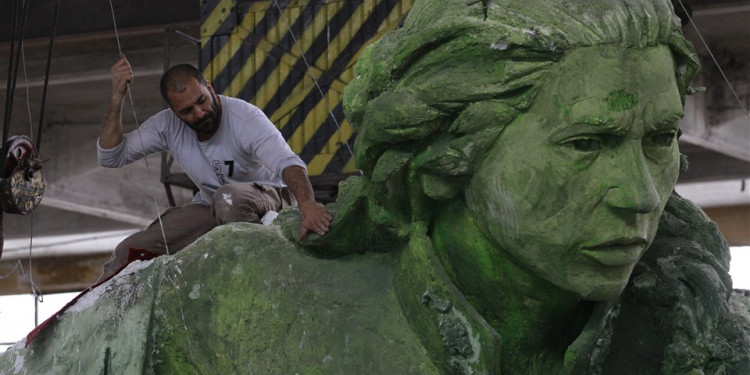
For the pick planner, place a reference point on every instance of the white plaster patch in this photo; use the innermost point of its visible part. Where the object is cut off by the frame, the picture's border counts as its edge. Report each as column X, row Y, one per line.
column 205, row 256
column 238, row 250
column 87, row 300
column 196, row 292
column 302, row 342
column 18, row 363
column 327, row 358
column 269, row 217
column 502, row 46
column 227, row 198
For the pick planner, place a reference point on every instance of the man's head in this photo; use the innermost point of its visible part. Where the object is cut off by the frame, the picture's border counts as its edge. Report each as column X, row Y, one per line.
column 191, row 98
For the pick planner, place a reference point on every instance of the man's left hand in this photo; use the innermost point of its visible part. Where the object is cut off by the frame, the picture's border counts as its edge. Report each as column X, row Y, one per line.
column 315, row 218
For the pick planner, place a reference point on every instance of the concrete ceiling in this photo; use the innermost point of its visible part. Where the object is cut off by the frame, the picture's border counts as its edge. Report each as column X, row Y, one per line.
column 82, row 197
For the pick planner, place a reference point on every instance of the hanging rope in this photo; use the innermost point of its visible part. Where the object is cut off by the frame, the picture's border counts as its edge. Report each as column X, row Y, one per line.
column 153, row 190
column 15, row 56
column 46, row 78
column 726, row 80
column 138, row 128
column 28, row 96
column 315, row 80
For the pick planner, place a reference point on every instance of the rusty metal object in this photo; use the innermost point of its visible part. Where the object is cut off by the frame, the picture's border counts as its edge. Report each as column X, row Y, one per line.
column 22, row 185
column 22, row 191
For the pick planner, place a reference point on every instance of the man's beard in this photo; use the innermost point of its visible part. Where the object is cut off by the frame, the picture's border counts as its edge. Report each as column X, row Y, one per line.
column 210, row 121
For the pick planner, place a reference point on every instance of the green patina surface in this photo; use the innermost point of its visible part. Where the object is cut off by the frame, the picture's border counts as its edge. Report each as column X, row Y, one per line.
column 241, row 300
column 621, row 100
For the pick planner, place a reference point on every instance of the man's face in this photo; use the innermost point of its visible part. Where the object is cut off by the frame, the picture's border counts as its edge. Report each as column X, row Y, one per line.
column 573, row 190
column 197, row 106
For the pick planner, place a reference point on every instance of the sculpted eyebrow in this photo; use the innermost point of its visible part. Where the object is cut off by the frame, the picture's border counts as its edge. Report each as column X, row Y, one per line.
column 590, row 125
column 668, row 122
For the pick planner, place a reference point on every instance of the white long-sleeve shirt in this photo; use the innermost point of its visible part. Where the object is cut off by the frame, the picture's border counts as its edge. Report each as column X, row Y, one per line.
column 245, row 148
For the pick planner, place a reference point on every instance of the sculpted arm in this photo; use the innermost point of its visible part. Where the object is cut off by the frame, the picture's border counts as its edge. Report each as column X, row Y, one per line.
column 315, row 218
column 111, row 133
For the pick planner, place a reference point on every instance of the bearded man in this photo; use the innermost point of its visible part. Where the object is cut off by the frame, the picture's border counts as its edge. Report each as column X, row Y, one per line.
column 239, row 161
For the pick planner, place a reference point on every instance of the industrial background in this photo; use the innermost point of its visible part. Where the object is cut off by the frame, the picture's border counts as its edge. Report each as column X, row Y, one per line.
column 291, row 58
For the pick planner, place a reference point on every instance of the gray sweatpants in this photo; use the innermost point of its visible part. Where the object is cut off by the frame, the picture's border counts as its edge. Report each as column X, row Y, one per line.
column 183, row 225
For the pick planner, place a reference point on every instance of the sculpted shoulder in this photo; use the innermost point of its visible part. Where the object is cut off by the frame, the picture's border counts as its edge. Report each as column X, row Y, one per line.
column 242, row 294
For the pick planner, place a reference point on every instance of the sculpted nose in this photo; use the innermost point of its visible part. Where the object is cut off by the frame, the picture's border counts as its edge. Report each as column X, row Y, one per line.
column 631, row 185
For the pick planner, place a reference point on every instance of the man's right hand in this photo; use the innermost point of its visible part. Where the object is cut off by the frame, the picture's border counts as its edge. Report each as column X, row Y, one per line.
column 122, row 75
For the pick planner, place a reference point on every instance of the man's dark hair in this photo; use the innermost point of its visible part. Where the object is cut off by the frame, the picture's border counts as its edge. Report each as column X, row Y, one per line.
column 177, row 77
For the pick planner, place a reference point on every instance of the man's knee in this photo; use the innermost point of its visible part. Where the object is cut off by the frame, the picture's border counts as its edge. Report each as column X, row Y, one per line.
column 243, row 202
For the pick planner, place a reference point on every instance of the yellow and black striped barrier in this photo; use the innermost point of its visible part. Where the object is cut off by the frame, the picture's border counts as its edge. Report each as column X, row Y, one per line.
column 293, row 58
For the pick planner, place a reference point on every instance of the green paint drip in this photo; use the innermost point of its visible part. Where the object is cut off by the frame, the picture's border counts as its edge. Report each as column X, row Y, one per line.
column 621, row 100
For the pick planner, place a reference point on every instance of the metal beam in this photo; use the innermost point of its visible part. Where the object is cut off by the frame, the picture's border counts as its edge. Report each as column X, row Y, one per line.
column 96, row 211
column 708, row 165
column 51, row 275
column 733, row 222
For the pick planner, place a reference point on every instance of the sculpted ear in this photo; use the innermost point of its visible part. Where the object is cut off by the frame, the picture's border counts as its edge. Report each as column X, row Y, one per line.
column 445, row 167
column 394, row 120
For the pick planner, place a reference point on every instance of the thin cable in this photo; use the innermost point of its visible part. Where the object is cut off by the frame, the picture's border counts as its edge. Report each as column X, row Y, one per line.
column 28, row 98
column 37, row 297
column 315, row 80
column 714, row 59
column 138, row 128
column 23, row 273
column 153, row 190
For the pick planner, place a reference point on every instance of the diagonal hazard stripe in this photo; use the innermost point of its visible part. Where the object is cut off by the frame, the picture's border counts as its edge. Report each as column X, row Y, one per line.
column 342, row 160
column 280, row 68
column 292, row 92
column 229, row 55
column 317, row 48
column 300, row 129
column 272, row 50
column 321, row 140
column 215, row 18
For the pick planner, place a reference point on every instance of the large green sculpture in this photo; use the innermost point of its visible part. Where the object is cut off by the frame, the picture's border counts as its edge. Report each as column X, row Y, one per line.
column 516, row 215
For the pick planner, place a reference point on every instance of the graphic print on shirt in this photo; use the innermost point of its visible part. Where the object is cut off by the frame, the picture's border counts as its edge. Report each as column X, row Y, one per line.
column 219, row 171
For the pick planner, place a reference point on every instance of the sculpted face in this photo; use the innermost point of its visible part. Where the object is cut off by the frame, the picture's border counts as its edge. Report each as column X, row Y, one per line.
column 573, row 189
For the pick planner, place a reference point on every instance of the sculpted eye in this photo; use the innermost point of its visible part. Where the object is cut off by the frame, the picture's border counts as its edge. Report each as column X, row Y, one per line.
column 585, row 144
column 661, row 139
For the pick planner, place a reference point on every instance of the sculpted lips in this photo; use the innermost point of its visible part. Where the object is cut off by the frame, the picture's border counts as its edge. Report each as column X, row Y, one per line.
column 616, row 252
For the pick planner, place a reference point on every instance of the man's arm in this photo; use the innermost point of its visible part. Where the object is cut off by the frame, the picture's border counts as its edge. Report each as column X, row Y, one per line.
column 111, row 134
column 315, row 218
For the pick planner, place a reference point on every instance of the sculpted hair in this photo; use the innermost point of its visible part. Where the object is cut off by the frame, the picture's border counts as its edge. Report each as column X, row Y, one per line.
column 177, row 77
